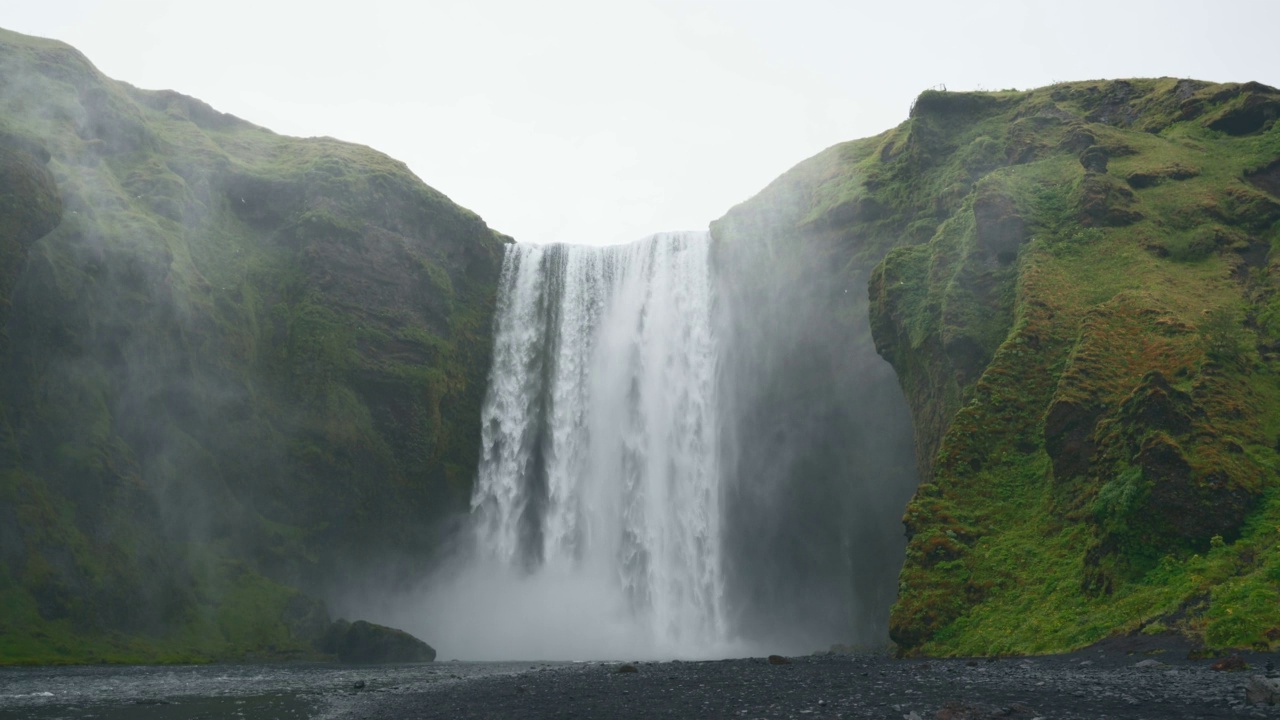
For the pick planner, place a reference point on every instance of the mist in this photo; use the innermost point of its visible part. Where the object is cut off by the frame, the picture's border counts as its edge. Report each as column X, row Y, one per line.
column 817, row 448
column 481, row 609
column 690, row 450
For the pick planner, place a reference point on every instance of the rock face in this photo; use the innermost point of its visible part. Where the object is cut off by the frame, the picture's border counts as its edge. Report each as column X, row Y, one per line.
column 235, row 366
column 819, row 460
column 1076, row 287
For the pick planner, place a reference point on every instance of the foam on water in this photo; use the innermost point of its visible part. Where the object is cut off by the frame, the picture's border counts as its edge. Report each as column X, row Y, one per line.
column 597, row 502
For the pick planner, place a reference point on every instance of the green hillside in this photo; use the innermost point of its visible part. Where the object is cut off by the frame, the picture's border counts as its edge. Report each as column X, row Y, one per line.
column 1077, row 288
column 238, row 369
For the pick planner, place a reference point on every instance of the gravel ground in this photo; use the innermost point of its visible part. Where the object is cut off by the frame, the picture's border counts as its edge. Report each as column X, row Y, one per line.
column 1098, row 683
column 280, row 691
column 1127, row 678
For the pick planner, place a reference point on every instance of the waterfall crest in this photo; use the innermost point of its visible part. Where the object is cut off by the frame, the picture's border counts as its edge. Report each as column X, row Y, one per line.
column 600, row 434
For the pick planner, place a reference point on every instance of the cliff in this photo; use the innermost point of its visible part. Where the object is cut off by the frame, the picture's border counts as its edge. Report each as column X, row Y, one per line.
column 1077, row 288
column 237, row 368
column 818, row 455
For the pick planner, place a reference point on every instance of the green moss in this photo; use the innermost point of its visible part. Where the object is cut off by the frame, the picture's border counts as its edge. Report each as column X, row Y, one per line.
column 1149, row 276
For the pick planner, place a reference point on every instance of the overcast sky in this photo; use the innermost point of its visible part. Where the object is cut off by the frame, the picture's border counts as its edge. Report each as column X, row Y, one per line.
column 604, row 121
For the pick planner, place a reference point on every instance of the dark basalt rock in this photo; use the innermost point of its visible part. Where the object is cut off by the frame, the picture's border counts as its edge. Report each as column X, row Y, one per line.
column 1104, row 202
column 1193, row 506
column 1266, row 178
column 364, row 643
column 1077, row 140
column 1068, row 437
column 1094, row 159
column 1149, row 178
column 1113, row 104
column 1157, row 405
column 941, row 102
column 1258, row 112
column 1194, row 104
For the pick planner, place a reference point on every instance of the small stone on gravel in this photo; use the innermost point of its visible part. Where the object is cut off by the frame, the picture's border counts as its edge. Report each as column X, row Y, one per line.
column 1262, row 691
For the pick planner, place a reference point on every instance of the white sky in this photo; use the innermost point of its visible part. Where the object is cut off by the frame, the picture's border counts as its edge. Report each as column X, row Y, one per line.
column 604, row 121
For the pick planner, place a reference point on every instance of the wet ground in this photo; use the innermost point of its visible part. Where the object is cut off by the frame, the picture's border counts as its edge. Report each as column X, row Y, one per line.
column 251, row 692
column 1115, row 681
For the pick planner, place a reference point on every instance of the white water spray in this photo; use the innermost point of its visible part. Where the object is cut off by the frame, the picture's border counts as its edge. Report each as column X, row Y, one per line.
column 599, row 471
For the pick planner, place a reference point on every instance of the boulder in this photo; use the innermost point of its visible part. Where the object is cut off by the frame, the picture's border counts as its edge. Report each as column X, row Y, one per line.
column 364, row 643
column 1262, row 691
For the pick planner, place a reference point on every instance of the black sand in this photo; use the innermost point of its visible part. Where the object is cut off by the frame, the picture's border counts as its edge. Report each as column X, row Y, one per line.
column 1103, row 682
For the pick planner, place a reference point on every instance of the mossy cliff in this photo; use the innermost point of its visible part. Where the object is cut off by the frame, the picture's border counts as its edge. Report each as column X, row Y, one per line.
column 1077, row 286
column 236, row 368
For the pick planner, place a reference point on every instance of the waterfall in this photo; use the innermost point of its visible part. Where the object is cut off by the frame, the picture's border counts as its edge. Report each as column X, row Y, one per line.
column 684, row 453
column 599, row 470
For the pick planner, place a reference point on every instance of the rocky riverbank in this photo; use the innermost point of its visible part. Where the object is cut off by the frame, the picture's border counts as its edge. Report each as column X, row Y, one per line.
column 1102, row 682
column 1141, row 677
